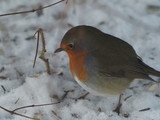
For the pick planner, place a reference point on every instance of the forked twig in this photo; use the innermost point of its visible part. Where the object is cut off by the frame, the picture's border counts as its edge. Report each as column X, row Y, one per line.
column 12, row 112
column 38, row 105
column 40, row 33
column 33, row 10
column 47, row 104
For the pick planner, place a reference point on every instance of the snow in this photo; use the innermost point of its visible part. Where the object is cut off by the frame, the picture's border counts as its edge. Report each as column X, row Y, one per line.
column 133, row 21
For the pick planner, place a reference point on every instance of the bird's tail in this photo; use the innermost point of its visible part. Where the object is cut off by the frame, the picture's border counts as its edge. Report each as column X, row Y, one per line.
column 149, row 69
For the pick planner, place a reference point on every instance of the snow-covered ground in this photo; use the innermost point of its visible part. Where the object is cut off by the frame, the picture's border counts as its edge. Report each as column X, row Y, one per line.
column 135, row 21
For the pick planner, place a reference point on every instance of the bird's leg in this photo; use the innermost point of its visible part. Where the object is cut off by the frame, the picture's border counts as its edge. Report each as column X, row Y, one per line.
column 119, row 105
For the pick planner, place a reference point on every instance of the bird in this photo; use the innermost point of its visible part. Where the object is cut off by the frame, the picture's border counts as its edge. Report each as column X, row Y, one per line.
column 101, row 63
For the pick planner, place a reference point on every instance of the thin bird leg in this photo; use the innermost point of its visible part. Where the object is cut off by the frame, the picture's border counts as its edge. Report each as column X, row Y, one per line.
column 119, row 105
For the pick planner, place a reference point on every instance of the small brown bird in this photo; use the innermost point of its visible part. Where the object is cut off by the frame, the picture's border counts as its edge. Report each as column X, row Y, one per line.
column 101, row 63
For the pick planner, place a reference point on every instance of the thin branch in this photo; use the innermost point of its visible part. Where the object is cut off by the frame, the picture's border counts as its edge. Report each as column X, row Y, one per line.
column 40, row 34
column 12, row 112
column 42, row 56
column 58, row 117
column 145, row 109
column 81, row 97
column 15, row 113
column 36, row 48
column 4, row 89
column 3, row 77
column 65, row 94
column 39, row 105
column 127, row 98
column 33, row 10
column 16, row 101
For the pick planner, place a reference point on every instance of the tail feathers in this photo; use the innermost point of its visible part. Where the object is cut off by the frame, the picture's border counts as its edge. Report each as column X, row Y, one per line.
column 149, row 70
column 153, row 72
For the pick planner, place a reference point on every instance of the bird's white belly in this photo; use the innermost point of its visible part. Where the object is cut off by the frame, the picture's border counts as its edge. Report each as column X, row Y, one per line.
column 89, row 89
column 104, row 87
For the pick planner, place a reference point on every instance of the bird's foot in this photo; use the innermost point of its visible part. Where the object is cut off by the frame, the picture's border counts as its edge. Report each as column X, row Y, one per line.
column 119, row 105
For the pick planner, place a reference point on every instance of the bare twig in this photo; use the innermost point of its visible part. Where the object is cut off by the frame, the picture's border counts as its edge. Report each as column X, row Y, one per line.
column 39, row 105
column 81, row 97
column 36, row 47
column 56, row 115
column 16, row 101
column 12, row 112
column 4, row 89
column 15, row 113
column 40, row 33
column 157, row 95
column 146, row 109
column 65, row 94
column 3, row 77
column 33, row 10
column 127, row 98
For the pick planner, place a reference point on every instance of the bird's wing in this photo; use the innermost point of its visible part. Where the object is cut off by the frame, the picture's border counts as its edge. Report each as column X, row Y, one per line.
column 117, row 59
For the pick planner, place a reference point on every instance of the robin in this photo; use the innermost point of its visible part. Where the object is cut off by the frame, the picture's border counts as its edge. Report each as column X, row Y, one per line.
column 101, row 63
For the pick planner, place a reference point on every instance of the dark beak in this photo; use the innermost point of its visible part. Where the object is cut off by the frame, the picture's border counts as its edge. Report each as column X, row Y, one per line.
column 58, row 50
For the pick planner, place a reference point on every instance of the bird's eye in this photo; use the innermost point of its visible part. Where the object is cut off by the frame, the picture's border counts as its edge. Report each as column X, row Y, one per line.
column 70, row 46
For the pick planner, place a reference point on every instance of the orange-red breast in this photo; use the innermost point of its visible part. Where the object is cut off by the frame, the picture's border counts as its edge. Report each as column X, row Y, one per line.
column 101, row 63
